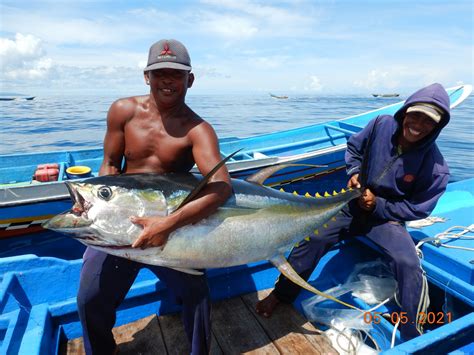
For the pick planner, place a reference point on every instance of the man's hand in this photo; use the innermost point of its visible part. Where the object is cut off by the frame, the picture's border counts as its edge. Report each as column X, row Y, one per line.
column 367, row 200
column 155, row 232
column 354, row 182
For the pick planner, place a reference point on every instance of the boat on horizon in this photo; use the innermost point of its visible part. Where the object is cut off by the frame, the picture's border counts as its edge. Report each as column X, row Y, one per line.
column 385, row 95
column 14, row 96
column 279, row 96
column 312, row 152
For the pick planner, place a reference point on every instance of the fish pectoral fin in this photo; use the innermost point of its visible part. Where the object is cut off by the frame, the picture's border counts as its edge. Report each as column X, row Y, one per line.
column 280, row 262
column 187, row 271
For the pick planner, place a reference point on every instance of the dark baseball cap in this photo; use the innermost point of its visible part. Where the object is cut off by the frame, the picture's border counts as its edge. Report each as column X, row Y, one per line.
column 168, row 53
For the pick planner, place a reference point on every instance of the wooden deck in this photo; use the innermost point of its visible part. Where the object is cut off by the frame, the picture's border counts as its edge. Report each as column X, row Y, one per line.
column 236, row 329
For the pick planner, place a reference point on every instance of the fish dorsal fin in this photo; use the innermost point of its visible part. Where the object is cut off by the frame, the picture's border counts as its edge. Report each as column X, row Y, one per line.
column 263, row 174
column 205, row 179
column 285, row 268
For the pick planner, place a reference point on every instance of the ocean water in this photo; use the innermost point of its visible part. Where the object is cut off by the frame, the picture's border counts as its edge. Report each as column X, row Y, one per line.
column 50, row 123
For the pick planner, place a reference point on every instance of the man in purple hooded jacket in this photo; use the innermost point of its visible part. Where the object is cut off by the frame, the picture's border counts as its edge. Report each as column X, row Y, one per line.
column 404, row 178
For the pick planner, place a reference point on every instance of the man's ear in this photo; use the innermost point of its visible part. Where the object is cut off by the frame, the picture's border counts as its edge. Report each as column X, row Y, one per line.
column 190, row 80
column 147, row 78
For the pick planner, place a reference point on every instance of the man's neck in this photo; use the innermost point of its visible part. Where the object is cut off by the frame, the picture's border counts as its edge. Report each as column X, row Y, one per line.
column 403, row 144
column 166, row 112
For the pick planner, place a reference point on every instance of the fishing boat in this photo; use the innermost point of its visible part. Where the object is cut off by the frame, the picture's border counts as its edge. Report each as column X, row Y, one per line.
column 32, row 186
column 385, row 95
column 279, row 96
column 17, row 97
column 39, row 314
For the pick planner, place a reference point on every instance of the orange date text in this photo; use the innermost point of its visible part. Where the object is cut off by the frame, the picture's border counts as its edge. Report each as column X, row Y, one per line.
column 402, row 318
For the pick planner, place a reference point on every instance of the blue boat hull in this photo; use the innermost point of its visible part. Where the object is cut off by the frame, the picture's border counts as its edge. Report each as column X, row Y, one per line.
column 38, row 305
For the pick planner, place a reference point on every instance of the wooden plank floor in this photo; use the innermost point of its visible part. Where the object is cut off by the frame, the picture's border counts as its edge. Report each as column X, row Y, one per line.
column 236, row 329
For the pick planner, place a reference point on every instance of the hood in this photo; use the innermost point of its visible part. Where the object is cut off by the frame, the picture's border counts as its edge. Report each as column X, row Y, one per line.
column 434, row 94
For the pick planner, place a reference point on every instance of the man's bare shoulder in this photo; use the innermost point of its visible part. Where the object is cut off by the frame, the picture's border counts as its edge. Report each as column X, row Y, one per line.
column 127, row 107
column 197, row 123
column 201, row 130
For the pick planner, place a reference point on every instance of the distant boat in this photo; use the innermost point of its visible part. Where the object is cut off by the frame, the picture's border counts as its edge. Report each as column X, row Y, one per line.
column 385, row 95
column 12, row 97
column 279, row 96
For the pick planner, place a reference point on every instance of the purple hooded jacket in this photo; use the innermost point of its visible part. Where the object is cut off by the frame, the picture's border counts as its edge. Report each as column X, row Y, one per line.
column 407, row 186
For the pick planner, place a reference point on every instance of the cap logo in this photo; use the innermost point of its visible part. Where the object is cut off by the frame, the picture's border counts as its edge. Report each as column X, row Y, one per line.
column 409, row 178
column 166, row 53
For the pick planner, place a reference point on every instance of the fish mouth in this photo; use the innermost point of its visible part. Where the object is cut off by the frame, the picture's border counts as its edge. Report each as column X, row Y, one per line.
column 66, row 221
column 77, row 199
column 74, row 218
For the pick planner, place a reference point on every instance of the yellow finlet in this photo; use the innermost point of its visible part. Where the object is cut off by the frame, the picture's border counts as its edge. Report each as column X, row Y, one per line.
column 317, row 195
column 333, row 219
column 334, row 193
column 342, row 190
column 307, row 195
column 316, row 232
column 325, row 225
column 307, row 239
column 326, row 194
column 297, row 245
column 295, row 193
column 281, row 189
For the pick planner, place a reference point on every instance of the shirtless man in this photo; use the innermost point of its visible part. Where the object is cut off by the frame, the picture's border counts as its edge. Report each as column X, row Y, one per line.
column 155, row 133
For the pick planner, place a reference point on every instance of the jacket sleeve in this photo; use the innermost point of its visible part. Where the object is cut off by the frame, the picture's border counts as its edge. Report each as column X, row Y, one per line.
column 355, row 149
column 420, row 204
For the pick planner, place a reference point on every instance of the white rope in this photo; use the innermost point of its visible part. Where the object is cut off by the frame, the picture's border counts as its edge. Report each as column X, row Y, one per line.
column 392, row 343
column 349, row 339
column 373, row 308
column 447, row 235
column 424, row 302
column 367, row 333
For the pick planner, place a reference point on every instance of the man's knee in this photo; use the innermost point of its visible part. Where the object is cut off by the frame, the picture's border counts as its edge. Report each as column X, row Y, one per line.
column 91, row 302
column 408, row 262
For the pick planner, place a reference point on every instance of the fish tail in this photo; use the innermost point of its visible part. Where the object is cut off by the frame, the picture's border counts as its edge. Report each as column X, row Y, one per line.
column 285, row 268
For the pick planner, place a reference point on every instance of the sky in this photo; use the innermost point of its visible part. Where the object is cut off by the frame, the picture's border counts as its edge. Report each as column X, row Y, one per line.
column 237, row 46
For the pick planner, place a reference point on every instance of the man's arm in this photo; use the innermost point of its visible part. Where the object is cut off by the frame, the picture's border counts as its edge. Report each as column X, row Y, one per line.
column 114, row 141
column 356, row 146
column 418, row 206
column 206, row 155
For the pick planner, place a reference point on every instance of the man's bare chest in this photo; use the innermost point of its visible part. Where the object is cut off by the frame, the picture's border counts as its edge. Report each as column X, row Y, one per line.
column 154, row 144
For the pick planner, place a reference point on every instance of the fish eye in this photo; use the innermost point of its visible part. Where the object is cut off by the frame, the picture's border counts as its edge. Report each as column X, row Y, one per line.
column 104, row 193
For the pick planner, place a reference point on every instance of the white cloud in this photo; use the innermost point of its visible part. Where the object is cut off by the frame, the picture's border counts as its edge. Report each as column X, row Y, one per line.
column 25, row 65
column 248, row 20
column 24, row 58
column 409, row 77
column 280, row 16
column 376, row 78
column 231, row 27
column 67, row 29
column 314, row 84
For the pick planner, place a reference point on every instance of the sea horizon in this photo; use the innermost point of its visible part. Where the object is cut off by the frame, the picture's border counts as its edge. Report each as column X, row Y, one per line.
column 69, row 122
